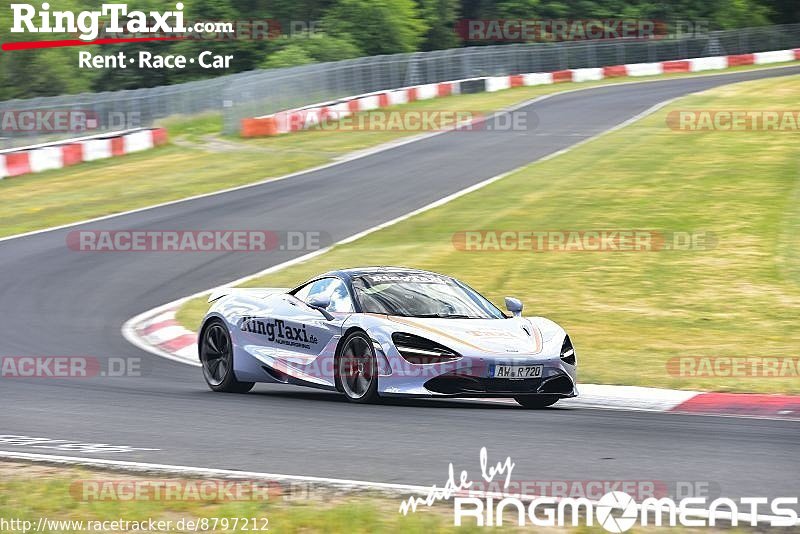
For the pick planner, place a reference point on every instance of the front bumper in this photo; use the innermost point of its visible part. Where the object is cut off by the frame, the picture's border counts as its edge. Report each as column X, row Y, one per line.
column 471, row 377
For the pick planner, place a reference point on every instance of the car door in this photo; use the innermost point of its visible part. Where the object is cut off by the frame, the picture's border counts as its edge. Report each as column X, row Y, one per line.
column 304, row 339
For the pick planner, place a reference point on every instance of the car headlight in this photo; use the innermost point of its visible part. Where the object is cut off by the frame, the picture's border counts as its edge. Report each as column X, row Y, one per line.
column 418, row 350
column 568, row 351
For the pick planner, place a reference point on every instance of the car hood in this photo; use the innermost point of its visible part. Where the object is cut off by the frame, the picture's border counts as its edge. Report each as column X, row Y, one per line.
column 496, row 336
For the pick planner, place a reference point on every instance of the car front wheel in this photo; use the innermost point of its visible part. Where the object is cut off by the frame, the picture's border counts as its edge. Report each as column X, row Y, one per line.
column 357, row 369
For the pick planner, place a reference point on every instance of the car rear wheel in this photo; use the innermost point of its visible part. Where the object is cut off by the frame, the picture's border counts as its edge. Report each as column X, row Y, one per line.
column 216, row 356
column 536, row 402
column 357, row 369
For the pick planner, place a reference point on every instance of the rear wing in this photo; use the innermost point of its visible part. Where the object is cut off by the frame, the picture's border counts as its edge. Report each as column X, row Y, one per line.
column 254, row 292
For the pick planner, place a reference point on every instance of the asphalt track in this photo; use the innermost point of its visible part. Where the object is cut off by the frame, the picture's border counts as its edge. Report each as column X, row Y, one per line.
column 56, row 301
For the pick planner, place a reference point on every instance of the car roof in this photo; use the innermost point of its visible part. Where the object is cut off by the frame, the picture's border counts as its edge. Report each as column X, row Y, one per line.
column 353, row 272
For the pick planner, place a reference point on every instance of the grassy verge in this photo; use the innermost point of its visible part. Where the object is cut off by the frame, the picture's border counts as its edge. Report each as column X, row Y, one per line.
column 629, row 313
column 55, row 495
column 29, row 493
column 200, row 162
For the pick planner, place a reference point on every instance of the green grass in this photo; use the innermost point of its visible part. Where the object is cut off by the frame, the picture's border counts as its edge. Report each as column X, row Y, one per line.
column 50, row 494
column 29, row 493
column 200, row 162
column 193, row 127
column 629, row 313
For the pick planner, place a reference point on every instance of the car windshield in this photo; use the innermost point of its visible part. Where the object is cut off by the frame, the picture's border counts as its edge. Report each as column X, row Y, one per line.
column 421, row 295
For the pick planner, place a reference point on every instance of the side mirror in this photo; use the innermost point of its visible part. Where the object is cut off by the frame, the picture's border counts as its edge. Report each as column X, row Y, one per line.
column 321, row 303
column 514, row 306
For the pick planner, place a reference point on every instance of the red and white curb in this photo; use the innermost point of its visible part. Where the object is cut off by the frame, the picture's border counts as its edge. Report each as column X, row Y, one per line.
column 74, row 151
column 160, row 332
column 299, row 119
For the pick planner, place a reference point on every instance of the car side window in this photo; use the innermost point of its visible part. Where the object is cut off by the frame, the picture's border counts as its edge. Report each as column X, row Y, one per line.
column 328, row 287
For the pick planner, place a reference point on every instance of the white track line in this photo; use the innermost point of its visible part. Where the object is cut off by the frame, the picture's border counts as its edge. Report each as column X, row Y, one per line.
column 205, row 472
column 397, row 490
column 368, row 152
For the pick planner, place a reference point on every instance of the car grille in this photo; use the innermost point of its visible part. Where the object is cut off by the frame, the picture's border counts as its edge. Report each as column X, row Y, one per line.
column 454, row 384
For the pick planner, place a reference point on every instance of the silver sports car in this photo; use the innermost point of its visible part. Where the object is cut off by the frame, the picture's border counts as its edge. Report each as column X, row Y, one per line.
column 385, row 331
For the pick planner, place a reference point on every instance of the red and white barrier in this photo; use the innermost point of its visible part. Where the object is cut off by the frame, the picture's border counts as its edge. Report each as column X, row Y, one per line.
column 72, row 152
column 537, row 78
column 643, row 69
column 293, row 120
column 45, row 159
column 397, row 98
column 777, row 56
column 587, row 75
column 368, row 103
column 96, row 149
column 498, row 83
column 708, row 63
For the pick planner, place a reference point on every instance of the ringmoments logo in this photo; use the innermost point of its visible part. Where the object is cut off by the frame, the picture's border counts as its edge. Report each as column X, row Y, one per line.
column 616, row 511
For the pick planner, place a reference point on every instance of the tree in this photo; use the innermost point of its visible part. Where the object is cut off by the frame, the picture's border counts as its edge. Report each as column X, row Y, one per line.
column 377, row 26
column 440, row 16
column 289, row 56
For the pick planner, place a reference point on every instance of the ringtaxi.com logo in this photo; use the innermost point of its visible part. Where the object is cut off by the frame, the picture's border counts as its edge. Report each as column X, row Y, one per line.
column 27, row 18
column 581, row 241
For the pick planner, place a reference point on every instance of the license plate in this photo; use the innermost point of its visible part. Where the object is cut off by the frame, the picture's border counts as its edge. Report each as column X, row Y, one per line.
column 517, row 371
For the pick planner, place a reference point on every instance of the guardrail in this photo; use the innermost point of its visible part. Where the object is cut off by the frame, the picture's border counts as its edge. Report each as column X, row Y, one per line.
column 288, row 121
column 261, row 92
